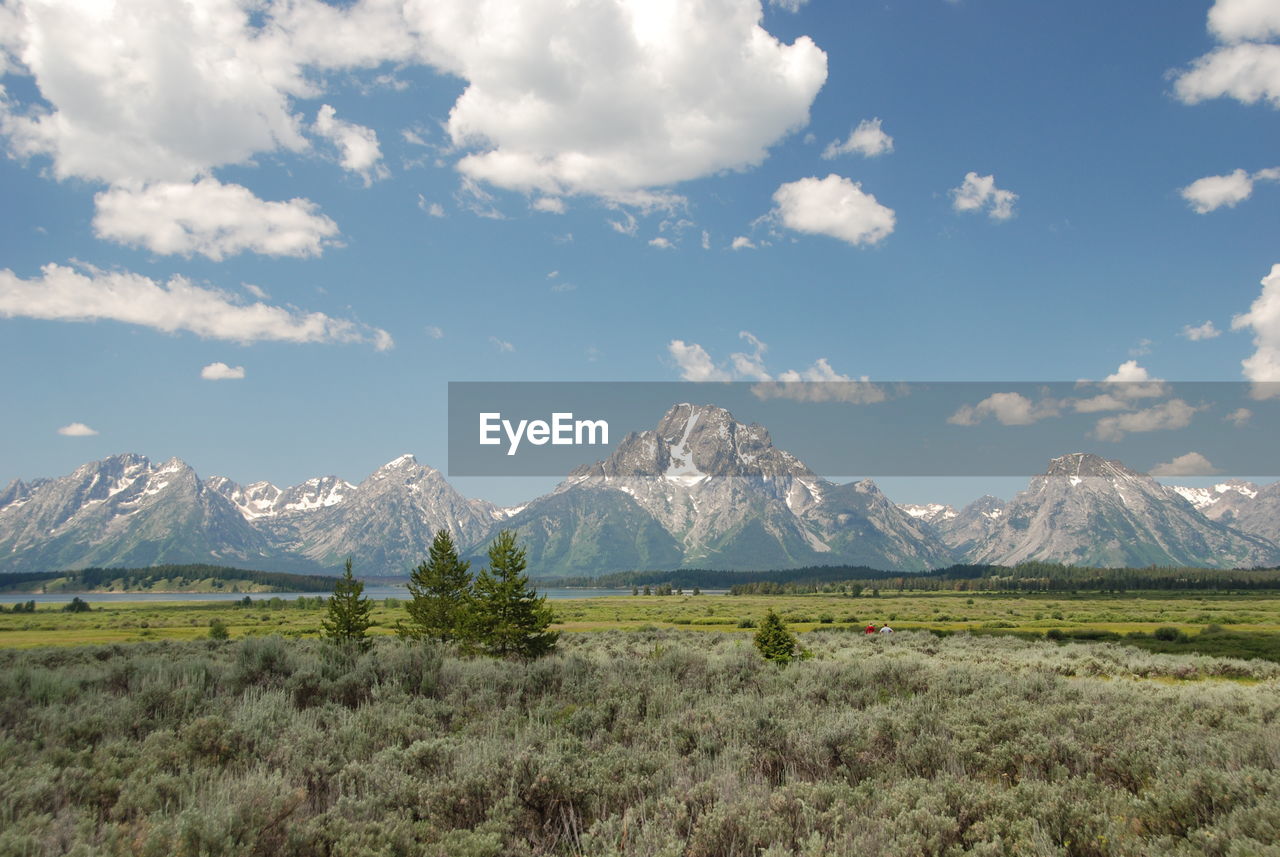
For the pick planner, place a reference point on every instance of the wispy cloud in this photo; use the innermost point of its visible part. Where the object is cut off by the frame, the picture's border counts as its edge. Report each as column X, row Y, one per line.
column 868, row 140
column 977, row 193
column 64, row 294
column 1199, row 332
column 357, row 145
column 818, row 382
column 434, row 209
column 211, row 219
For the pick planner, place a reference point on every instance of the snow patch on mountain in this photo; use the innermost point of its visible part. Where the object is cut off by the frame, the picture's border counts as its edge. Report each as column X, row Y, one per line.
column 681, row 468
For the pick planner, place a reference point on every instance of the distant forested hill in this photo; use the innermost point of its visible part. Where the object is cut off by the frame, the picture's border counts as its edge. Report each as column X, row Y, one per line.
column 164, row 578
column 1027, row 576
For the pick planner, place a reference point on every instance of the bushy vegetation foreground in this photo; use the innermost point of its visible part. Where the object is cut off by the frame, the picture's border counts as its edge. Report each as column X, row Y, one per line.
column 638, row 743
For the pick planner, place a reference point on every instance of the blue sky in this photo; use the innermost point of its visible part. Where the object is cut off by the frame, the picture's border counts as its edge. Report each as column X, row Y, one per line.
column 493, row 191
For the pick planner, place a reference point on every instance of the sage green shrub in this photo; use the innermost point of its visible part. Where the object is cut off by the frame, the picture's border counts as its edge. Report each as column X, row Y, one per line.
column 653, row 742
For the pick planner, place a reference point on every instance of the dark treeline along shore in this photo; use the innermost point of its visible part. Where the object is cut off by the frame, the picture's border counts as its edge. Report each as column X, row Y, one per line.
column 1029, row 576
column 164, row 578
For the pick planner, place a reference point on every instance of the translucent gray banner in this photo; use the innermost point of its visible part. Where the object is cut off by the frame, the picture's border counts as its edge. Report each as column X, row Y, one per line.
column 864, row 428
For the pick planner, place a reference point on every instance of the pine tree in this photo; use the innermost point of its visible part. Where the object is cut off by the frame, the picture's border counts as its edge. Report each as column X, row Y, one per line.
column 347, row 621
column 511, row 618
column 774, row 641
column 441, row 608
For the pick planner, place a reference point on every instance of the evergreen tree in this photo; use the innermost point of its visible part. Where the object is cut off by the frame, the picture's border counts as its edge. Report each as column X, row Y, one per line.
column 347, row 620
column 774, row 641
column 441, row 588
column 511, row 618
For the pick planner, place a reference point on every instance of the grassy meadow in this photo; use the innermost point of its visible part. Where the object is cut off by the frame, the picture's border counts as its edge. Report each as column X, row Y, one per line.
column 1241, row 624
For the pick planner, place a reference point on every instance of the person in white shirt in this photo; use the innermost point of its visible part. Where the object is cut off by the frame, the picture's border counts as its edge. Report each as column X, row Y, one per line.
column 886, row 630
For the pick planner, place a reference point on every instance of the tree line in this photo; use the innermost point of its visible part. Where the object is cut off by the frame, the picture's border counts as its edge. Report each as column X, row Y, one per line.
column 495, row 612
column 96, row 577
column 1024, row 577
column 963, row 577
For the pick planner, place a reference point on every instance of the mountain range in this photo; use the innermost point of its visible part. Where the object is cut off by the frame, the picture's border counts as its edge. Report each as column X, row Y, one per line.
column 700, row 490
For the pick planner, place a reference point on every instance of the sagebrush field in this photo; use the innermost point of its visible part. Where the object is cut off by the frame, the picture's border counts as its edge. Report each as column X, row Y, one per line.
column 650, row 742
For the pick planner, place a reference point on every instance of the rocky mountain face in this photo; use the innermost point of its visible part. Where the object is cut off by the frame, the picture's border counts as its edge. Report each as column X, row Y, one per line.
column 972, row 526
column 1240, row 504
column 1086, row 510
column 710, row 492
column 387, row 521
column 699, row 490
column 931, row 513
column 126, row 511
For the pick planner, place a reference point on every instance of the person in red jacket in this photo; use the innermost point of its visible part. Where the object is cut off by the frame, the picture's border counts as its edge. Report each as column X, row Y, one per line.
column 871, row 628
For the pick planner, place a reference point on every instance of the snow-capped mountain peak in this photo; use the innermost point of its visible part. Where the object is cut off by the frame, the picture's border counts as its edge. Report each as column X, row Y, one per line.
column 929, row 512
column 400, row 462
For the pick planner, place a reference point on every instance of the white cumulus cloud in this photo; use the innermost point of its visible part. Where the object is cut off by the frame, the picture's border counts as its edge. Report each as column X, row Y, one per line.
column 1213, row 192
column 868, row 140
column 977, row 193
column 210, row 218
column 611, row 99
column 76, row 430
column 1190, row 464
column 694, row 363
column 222, row 372
column 742, row 242
column 1128, row 372
column 833, row 206
column 1246, row 63
column 1248, row 72
column 357, row 145
column 1009, row 409
column 618, row 99
column 502, row 345
column 1263, row 318
column 1166, row 416
column 1238, row 20
column 151, row 90
column 64, row 294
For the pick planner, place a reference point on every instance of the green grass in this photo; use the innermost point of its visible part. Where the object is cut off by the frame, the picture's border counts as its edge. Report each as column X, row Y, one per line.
column 1250, row 621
